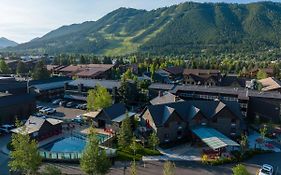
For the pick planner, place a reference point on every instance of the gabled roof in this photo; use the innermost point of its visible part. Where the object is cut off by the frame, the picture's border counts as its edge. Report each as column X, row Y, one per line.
column 187, row 110
column 201, row 71
column 115, row 110
column 167, row 97
column 270, row 84
column 33, row 124
column 175, row 70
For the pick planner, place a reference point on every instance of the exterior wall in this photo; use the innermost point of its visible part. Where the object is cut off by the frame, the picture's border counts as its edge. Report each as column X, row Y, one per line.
column 226, row 122
column 210, row 82
column 198, row 120
column 19, row 110
column 264, row 109
column 48, row 130
column 189, row 80
column 48, row 94
column 175, row 129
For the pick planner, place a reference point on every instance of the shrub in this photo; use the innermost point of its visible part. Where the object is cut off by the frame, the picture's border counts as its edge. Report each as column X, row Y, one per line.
column 240, row 170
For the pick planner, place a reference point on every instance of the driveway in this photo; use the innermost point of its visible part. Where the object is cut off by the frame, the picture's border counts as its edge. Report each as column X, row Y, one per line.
column 4, row 159
column 184, row 152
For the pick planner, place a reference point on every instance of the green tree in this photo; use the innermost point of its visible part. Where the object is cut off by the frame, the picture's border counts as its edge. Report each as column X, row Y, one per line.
column 244, row 142
column 240, row 170
column 129, row 92
column 153, row 140
column 4, row 69
column 125, row 133
column 128, row 75
column 98, row 98
column 21, row 68
column 94, row 160
column 51, row 170
column 263, row 131
column 261, row 74
column 169, row 168
column 40, row 71
column 24, row 156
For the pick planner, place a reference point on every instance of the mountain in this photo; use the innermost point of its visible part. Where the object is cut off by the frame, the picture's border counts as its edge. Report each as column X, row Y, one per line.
column 4, row 42
column 184, row 28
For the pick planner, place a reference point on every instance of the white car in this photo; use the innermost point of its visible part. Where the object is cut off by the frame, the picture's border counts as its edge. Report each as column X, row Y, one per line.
column 57, row 101
column 50, row 111
column 43, row 110
column 266, row 170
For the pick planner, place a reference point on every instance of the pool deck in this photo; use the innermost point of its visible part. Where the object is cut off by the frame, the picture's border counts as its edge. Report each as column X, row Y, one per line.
column 98, row 130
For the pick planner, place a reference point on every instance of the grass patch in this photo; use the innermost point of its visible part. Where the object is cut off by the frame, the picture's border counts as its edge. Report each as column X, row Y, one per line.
column 127, row 154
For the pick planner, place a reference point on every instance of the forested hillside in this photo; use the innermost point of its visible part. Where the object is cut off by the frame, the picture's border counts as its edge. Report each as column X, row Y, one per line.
column 185, row 28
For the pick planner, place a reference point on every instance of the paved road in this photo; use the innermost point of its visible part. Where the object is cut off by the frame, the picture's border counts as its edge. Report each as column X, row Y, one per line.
column 4, row 158
column 273, row 159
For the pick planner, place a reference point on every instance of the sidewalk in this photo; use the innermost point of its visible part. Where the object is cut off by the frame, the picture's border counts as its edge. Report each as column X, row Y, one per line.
column 183, row 152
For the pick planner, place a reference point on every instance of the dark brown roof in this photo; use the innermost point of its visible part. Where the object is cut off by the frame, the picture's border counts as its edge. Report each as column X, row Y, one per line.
column 174, row 70
column 201, row 71
column 188, row 109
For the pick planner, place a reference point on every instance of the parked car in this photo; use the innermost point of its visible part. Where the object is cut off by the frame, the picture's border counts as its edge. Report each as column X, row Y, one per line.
column 83, row 106
column 78, row 119
column 6, row 128
column 57, row 101
column 69, row 104
column 266, row 170
column 38, row 107
column 62, row 103
column 50, row 111
column 42, row 110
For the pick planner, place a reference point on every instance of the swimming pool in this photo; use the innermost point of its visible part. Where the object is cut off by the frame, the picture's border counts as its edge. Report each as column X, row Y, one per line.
column 70, row 144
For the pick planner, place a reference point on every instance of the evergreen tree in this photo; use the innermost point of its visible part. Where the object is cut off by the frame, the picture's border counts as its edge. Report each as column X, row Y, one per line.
column 153, row 140
column 125, row 133
column 4, row 69
column 98, row 98
column 261, row 74
column 40, row 71
column 93, row 160
column 24, row 156
column 21, row 68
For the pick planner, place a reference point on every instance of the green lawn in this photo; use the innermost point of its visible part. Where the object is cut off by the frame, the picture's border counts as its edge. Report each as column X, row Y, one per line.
column 127, row 154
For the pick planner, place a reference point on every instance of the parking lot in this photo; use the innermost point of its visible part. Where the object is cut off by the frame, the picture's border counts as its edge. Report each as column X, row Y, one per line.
column 62, row 112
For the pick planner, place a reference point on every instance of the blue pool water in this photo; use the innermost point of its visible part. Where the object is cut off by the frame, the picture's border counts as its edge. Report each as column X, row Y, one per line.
column 70, row 144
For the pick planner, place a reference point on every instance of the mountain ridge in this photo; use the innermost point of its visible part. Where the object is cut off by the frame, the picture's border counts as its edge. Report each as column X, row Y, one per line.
column 4, row 42
column 183, row 28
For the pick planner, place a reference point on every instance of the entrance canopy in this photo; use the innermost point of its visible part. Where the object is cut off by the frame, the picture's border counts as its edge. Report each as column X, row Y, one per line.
column 213, row 138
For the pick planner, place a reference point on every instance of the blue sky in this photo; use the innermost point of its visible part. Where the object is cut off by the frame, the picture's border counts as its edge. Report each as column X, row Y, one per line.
column 23, row 20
